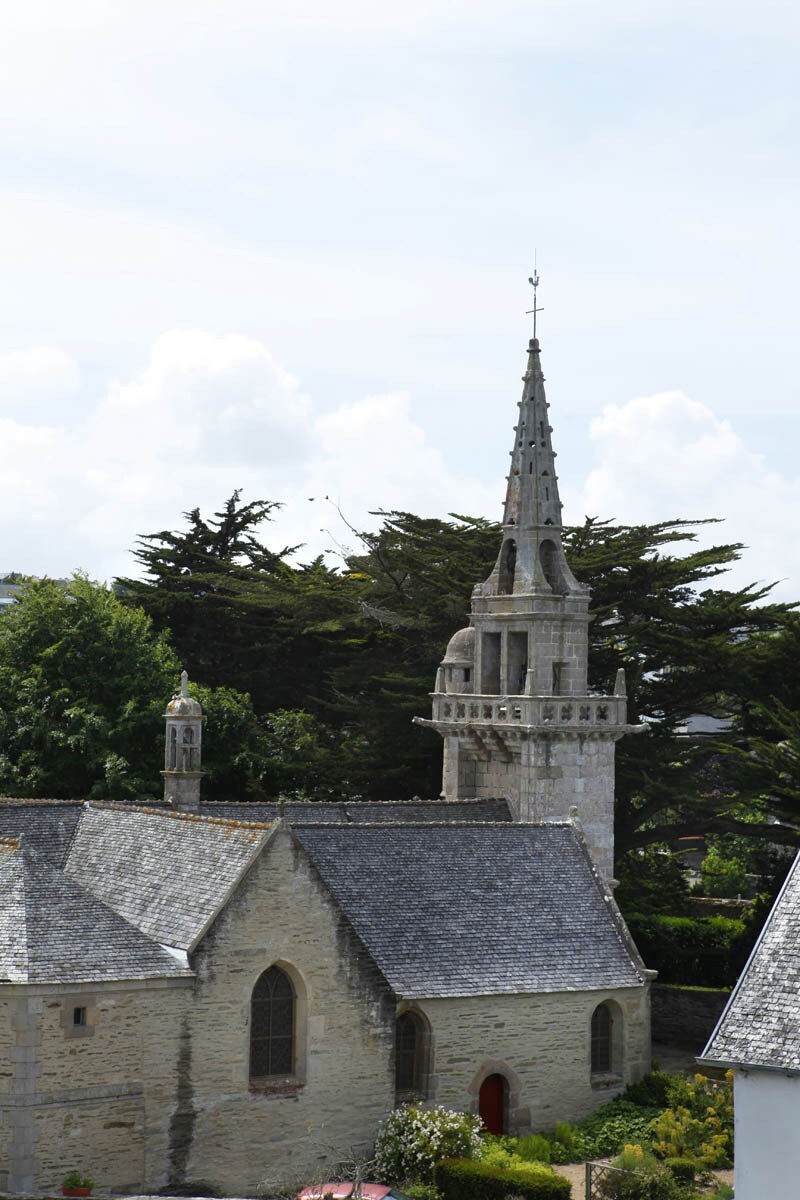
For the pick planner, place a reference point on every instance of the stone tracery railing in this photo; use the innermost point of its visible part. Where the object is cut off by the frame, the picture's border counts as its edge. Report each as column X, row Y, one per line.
column 587, row 711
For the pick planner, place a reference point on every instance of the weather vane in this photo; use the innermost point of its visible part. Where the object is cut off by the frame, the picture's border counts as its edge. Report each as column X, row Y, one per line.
column 533, row 280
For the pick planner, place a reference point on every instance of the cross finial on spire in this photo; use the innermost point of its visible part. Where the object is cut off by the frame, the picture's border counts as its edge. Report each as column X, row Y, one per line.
column 533, row 280
column 184, row 683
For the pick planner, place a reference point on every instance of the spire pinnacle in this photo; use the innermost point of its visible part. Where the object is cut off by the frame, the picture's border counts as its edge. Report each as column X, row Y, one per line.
column 533, row 280
column 184, row 683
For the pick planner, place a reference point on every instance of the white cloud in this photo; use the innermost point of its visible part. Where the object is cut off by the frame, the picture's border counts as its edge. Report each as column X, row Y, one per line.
column 35, row 373
column 207, row 414
column 667, row 455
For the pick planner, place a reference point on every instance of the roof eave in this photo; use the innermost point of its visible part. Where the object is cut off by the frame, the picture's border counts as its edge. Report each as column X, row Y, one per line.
column 732, row 1065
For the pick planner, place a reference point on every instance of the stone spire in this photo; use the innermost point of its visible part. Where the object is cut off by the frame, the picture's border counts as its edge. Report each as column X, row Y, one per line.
column 511, row 697
column 531, row 557
column 183, row 751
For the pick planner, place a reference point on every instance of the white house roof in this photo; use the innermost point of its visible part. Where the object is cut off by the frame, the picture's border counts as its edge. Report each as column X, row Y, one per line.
column 760, row 1026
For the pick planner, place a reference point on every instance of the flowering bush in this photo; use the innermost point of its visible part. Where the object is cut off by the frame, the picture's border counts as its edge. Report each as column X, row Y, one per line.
column 700, row 1125
column 413, row 1139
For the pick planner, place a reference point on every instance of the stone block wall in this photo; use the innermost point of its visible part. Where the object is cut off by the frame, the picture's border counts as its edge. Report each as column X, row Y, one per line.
column 78, row 1094
column 545, row 779
column 685, row 1017
column 541, row 1043
column 244, row 1139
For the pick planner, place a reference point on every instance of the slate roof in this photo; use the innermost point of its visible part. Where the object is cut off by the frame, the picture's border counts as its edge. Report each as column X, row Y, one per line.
column 460, row 910
column 167, row 873
column 52, row 930
column 366, row 812
column 46, row 825
column 760, row 1026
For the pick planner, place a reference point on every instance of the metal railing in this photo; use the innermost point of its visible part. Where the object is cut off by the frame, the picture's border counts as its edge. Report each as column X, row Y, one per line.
column 600, row 1174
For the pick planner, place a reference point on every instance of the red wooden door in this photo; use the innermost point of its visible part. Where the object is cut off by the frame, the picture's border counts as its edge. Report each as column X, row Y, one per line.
column 492, row 1103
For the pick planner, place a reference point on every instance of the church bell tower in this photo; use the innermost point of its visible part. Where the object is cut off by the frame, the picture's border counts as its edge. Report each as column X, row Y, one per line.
column 182, row 754
column 511, row 699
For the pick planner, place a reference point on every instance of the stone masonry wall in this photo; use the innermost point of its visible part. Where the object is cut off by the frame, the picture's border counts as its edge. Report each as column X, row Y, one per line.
column 79, row 1094
column 242, row 1139
column 6, row 1076
column 548, row 779
column 541, row 1043
column 686, row 1017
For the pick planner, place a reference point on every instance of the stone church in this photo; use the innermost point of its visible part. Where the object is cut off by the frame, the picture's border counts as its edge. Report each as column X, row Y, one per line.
column 231, row 996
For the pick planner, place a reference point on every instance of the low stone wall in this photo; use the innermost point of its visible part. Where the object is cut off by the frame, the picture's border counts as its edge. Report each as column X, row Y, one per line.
column 684, row 1016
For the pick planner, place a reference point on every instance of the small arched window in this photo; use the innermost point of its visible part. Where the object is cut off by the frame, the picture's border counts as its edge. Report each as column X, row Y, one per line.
column 272, row 1025
column 409, row 1056
column 602, row 1028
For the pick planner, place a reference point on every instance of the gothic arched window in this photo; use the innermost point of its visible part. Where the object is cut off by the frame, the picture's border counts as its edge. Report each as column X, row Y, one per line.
column 602, row 1022
column 272, row 1025
column 410, row 1056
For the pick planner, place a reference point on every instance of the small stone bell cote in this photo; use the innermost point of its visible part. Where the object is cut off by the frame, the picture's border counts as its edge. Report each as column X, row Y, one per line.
column 183, row 752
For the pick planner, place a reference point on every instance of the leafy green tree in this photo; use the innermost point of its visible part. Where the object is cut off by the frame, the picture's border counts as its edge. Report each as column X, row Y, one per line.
column 84, row 680
column 685, row 649
column 239, row 615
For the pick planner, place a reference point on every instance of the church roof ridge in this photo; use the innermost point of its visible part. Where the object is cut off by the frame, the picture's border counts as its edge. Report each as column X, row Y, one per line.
column 444, row 824
column 176, row 814
column 31, row 801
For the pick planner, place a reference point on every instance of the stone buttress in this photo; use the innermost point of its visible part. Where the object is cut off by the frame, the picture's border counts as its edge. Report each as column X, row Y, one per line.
column 511, row 699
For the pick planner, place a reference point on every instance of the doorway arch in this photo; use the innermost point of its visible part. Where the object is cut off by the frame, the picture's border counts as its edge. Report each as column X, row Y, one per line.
column 493, row 1103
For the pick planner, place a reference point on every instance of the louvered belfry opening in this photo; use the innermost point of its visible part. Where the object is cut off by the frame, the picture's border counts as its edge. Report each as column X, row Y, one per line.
column 272, row 1025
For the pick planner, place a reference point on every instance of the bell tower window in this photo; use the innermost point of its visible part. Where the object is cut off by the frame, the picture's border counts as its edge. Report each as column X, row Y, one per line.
column 508, row 566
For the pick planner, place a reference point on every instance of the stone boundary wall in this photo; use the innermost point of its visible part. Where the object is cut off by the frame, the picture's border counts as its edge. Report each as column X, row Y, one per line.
column 684, row 1016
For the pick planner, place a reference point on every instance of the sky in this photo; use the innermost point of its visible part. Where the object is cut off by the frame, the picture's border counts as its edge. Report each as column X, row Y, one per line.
column 284, row 248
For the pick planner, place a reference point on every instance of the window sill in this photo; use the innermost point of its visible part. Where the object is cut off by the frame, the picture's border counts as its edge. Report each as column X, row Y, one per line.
column 606, row 1079
column 277, row 1085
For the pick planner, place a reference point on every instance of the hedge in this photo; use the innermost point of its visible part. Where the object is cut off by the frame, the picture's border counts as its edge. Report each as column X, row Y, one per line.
column 466, row 1179
column 692, row 950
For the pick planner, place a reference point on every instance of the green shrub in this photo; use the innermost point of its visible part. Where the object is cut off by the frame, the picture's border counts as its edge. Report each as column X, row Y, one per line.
column 692, row 950
column 700, row 1125
column 653, row 1091
column 639, row 1177
column 615, row 1125
column 683, row 1169
column 463, row 1179
column 534, row 1148
column 567, row 1143
column 412, row 1139
column 421, row 1191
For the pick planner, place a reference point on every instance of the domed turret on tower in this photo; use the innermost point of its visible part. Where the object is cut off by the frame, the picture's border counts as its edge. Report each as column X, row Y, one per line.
column 183, row 750
column 456, row 673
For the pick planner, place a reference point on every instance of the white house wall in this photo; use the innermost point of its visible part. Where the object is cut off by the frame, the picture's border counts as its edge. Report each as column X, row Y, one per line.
column 766, row 1125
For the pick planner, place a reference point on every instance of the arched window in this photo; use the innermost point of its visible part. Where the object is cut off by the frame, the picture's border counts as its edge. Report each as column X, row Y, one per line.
column 272, row 1025
column 410, row 1055
column 602, row 1040
column 172, row 749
